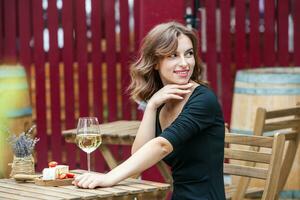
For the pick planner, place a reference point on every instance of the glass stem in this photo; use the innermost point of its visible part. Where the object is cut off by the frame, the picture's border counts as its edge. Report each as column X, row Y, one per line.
column 89, row 162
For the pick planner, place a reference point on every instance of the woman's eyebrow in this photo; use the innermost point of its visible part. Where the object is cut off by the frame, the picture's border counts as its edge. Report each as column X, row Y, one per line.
column 189, row 49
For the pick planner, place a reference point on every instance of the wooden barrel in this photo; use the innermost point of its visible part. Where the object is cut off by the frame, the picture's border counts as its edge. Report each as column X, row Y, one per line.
column 15, row 110
column 271, row 88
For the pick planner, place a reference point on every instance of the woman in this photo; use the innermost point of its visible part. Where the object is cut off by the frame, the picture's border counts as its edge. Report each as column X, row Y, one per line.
column 182, row 123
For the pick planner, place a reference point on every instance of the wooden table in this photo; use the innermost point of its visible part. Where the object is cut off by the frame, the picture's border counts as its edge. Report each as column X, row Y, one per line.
column 120, row 133
column 127, row 189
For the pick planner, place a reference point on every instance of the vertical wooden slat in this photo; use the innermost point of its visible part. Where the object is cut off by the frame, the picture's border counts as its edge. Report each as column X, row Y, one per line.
column 67, row 58
column 269, row 34
column 137, row 15
column 254, row 50
column 124, row 59
column 10, row 31
column 25, row 33
column 1, row 30
column 96, row 28
column 283, row 11
column 296, row 9
column 227, row 79
column 200, row 28
column 137, row 40
column 110, row 58
column 240, row 38
column 211, row 43
column 81, row 55
column 97, row 58
column 56, row 146
column 124, row 25
column 39, row 61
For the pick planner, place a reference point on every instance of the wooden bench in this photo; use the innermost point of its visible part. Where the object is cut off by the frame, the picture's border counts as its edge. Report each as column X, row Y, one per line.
column 267, row 122
column 273, row 159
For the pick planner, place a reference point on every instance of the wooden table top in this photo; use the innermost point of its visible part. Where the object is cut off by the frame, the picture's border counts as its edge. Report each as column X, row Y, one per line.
column 127, row 189
column 117, row 132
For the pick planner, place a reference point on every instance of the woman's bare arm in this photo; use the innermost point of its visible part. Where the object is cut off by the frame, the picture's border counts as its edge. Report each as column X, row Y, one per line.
column 147, row 156
column 146, row 131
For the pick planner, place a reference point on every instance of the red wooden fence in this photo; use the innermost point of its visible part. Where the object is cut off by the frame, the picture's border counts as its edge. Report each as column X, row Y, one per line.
column 256, row 33
column 88, row 73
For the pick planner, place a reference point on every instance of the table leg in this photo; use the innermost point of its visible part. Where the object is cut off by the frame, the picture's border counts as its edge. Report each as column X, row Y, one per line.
column 108, row 156
column 165, row 172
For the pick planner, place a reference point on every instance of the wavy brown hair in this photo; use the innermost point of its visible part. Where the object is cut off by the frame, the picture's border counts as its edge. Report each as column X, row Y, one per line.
column 160, row 42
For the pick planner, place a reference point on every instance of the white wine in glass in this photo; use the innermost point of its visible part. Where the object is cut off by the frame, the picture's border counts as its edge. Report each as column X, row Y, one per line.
column 88, row 137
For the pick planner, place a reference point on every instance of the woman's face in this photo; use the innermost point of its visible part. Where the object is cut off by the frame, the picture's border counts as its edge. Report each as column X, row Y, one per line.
column 178, row 67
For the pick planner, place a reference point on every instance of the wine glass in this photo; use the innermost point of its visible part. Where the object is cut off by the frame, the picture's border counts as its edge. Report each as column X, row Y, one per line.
column 88, row 137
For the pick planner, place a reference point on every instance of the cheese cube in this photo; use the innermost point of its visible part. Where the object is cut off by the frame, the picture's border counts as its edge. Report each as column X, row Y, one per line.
column 49, row 174
column 54, row 172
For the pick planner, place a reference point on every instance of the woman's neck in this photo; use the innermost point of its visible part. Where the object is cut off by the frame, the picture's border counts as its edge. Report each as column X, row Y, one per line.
column 174, row 103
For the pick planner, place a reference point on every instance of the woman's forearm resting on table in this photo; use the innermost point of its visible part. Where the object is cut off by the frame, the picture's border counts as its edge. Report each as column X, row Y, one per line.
column 147, row 156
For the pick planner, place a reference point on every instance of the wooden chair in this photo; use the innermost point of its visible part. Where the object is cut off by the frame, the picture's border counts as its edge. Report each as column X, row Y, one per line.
column 286, row 121
column 274, row 159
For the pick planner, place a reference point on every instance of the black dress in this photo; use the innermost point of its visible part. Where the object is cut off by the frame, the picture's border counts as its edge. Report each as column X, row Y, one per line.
column 197, row 137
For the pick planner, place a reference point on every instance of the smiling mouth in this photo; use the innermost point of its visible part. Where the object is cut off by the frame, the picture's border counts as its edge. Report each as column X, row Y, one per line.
column 182, row 72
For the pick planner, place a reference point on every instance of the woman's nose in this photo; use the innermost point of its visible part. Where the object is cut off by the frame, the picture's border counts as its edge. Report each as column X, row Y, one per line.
column 183, row 61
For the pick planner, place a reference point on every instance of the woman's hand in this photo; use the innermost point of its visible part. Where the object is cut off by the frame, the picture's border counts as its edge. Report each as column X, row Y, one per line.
column 169, row 92
column 90, row 180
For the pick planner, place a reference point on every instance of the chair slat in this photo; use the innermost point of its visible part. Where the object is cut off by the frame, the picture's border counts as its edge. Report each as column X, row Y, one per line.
column 284, row 124
column 283, row 112
column 246, row 171
column 247, row 155
column 289, row 135
column 248, row 140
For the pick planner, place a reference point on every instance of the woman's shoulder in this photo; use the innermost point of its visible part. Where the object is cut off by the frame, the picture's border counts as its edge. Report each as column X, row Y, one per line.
column 203, row 97
column 203, row 92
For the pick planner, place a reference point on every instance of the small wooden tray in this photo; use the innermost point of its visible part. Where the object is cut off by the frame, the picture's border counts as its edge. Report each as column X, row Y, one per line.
column 56, row 182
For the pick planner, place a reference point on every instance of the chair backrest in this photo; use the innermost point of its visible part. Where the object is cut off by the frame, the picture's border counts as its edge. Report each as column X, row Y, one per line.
column 273, row 159
column 267, row 122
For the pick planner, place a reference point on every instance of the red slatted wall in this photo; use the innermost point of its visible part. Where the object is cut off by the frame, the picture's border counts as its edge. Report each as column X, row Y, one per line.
column 53, row 57
column 211, row 43
column 25, row 52
column 82, row 64
column 10, row 31
column 254, row 47
column 296, row 17
column 1, row 30
column 89, row 74
column 110, row 58
column 39, row 64
column 227, row 78
column 269, row 53
column 97, row 60
column 283, row 54
column 68, row 92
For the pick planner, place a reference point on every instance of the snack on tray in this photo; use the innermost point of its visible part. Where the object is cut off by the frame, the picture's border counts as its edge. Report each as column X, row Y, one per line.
column 56, row 172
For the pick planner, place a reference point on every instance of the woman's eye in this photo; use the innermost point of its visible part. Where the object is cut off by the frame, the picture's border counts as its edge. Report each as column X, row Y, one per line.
column 173, row 55
column 190, row 53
